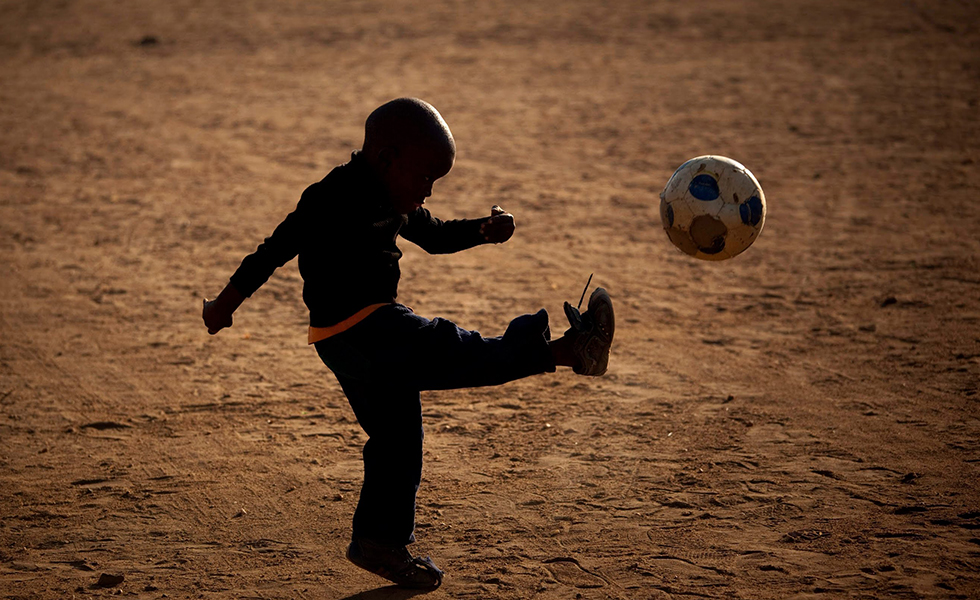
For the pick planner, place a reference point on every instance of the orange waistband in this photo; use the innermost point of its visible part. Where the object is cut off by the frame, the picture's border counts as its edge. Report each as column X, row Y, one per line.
column 322, row 333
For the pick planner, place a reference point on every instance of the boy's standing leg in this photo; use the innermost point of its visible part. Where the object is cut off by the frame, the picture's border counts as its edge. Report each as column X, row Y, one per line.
column 384, row 520
column 392, row 419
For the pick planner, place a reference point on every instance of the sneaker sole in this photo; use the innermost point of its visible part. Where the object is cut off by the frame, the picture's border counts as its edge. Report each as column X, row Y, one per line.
column 598, row 345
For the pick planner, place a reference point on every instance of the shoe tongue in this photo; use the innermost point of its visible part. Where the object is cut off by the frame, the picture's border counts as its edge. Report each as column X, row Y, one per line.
column 574, row 317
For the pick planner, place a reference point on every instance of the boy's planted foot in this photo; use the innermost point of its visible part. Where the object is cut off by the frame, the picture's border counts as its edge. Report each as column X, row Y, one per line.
column 591, row 333
column 395, row 564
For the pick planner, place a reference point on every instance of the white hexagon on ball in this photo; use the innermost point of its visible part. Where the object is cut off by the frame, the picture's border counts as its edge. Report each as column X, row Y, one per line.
column 712, row 208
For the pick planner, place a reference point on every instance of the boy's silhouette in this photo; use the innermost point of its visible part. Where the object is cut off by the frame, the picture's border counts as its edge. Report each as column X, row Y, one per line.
column 344, row 230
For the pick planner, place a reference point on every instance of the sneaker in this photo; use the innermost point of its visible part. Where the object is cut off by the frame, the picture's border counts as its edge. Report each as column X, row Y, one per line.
column 593, row 333
column 396, row 565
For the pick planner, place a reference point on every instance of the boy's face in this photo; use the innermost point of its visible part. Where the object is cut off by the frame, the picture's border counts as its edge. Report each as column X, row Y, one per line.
column 411, row 172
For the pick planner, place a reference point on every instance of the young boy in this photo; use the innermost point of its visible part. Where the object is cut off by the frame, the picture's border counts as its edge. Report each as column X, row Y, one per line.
column 344, row 230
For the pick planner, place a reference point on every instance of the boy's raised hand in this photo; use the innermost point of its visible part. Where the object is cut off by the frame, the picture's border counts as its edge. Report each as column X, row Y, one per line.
column 499, row 227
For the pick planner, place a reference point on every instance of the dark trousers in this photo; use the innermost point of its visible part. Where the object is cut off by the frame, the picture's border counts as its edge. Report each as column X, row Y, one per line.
column 382, row 364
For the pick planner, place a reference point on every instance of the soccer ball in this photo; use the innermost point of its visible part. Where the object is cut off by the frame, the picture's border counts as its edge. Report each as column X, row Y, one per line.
column 712, row 208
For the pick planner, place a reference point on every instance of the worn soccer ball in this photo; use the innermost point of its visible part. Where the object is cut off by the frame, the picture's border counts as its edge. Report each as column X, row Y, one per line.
column 712, row 208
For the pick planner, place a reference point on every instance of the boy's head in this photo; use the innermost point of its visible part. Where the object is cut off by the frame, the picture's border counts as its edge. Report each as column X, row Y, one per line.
column 409, row 146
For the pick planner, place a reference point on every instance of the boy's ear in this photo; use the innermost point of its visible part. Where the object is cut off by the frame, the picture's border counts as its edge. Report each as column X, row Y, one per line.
column 386, row 156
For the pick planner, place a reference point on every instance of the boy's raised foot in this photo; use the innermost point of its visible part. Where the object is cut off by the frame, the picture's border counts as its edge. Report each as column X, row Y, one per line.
column 395, row 564
column 591, row 333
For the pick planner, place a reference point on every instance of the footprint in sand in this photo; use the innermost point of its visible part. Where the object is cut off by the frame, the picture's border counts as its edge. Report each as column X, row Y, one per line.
column 569, row 572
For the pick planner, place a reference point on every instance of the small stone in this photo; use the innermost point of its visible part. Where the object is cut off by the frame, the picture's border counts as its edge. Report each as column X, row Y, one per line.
column 107, row 581
column 911, row 477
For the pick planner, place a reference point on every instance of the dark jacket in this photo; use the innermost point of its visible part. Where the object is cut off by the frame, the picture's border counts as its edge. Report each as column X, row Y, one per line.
column 344, row 230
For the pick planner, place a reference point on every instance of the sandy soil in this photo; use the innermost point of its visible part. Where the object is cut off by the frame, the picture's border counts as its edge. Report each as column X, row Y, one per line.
column 799, row 422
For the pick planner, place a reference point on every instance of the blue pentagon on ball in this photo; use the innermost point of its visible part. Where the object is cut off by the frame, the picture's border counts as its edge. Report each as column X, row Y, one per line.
column 751, row 211
column 704, row 187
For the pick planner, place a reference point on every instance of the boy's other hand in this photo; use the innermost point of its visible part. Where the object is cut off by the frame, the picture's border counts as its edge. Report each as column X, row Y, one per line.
column 499, row 227
column 217, row 313
column 215, row 318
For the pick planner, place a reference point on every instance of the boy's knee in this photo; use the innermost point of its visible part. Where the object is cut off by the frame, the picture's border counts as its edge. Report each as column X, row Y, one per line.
column 394, row 440
column 532, row 326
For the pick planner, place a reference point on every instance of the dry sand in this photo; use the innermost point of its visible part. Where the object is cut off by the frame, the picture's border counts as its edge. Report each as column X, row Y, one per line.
column 799, row 422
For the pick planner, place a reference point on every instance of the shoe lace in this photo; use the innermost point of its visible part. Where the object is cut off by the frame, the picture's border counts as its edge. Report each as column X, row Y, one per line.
column 579, row 307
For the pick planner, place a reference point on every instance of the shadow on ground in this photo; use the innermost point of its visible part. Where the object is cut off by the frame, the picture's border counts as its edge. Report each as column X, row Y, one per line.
column 390, row 592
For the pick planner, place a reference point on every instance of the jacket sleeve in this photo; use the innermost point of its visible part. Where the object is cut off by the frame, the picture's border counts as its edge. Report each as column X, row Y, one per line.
column 436, row 236
column 277, row 249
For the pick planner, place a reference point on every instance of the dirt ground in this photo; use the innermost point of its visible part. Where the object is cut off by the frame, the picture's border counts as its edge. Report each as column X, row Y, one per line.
column 798, row 422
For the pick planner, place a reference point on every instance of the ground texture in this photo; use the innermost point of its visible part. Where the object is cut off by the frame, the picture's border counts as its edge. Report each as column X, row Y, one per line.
column 798, row 422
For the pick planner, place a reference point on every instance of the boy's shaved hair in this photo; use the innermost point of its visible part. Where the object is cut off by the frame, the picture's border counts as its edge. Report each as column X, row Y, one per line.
column 406, row 123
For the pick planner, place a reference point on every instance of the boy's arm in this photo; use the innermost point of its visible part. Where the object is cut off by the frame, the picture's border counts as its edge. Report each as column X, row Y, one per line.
column 256, row 268
column 275, row 251
column 436, row 236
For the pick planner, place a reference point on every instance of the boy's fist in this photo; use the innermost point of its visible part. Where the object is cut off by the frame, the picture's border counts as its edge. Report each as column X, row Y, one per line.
column 215, row 318
column 499, row 227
